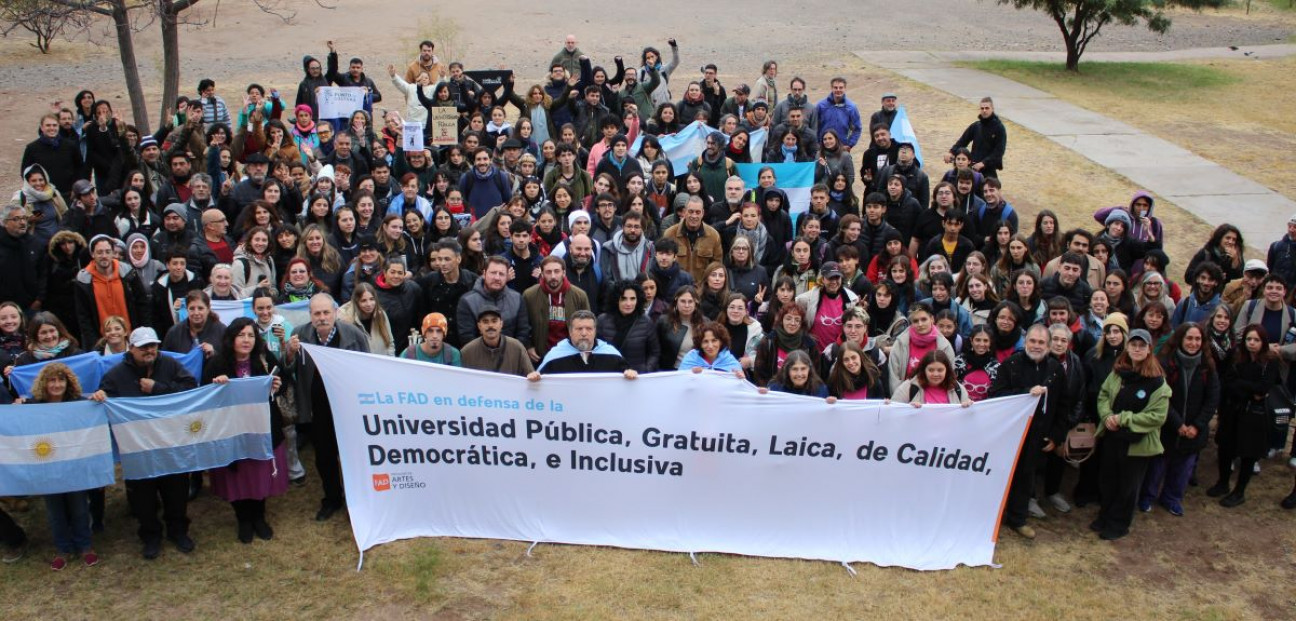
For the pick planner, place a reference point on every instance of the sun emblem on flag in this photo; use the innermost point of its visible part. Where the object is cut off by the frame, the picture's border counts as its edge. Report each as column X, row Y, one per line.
column 43, row 448
column 196, row 426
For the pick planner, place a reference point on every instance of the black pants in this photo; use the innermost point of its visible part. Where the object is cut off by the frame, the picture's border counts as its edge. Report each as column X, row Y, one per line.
column 96, row 505
column 11, row 534
column 1054, row 468
column 143, row 496
column 1022, row 486
column 327, row 462
column 1087, row 486
column 249, row 510
column 1122, row 478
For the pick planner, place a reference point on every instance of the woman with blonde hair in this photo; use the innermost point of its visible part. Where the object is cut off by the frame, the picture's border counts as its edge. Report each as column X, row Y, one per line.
column 69, row 512
column 365, row 312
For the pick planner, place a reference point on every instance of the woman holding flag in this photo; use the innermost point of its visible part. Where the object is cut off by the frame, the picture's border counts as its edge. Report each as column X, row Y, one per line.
column 68, row 513
column 246, row 483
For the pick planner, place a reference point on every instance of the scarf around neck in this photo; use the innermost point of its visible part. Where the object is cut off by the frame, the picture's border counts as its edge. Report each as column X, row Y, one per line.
column 49, row 353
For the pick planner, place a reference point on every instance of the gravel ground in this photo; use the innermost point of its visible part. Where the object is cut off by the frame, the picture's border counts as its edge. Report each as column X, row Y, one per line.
column 523, row 34
column 526, row 34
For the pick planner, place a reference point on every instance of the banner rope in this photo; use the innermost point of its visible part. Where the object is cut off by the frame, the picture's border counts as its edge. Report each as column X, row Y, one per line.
column 531, row 547
column 693, row 557
column 850, row 570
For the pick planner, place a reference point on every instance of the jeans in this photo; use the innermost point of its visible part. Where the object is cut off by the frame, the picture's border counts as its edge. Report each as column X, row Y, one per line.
column 295, row 468
column 69, row 521
column 1167, row 479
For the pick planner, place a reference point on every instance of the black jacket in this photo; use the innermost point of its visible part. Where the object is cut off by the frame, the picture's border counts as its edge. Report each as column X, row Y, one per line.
column 439, row 296
column 168, row 375
column 21, row 266
column 1193, row 401
column 641, row 349
column 902, row 214
column 1078, row 295
column 87, row 310
column 765, row 366
column 63, row 163
column 989, row 139
column 1018, row 374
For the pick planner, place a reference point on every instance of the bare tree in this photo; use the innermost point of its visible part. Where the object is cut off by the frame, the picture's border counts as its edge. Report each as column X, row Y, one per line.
column 42, row 19
column 119, row 12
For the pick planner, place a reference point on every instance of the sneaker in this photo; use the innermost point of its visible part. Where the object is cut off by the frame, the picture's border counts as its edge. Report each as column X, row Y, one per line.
column 299, row 481
column 1059, row 502
column 91, row 559
column 183, row 543
column 1256, row 468
column 1024, row 531
column 14, row 554
column 1035, row 511
column 58, row 563
column 1173, row 508
column 1272, row 453
column 1291, row 463
column 1145, row 506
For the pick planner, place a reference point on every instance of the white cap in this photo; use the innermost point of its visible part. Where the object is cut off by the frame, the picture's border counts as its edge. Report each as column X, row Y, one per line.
column 141, row 337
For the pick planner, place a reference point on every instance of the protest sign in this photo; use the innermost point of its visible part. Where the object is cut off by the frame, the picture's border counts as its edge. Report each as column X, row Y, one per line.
column 671, row 461
column 337, row 102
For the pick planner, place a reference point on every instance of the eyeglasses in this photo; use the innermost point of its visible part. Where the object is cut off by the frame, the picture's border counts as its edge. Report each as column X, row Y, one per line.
column 17, row 219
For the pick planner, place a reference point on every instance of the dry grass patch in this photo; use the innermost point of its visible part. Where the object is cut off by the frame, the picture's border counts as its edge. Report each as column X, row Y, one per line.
column 1236, row 113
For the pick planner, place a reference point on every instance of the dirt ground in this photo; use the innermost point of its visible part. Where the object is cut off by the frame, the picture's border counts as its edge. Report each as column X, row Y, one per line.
column 1212, row 564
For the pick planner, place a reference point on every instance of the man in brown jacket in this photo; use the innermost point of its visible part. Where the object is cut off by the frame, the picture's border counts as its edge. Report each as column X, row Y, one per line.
column 492, row 351
column 428, row 63
column 699, row 244
column 549, row 304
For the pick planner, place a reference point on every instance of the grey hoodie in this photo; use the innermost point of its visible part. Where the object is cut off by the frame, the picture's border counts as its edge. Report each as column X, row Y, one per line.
column 621, row 262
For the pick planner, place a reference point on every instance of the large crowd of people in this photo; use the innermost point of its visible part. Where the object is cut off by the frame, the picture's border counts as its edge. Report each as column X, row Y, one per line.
column 556, row 236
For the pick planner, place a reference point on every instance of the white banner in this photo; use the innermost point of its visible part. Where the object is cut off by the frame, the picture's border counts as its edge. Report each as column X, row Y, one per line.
column 675, row 462
column 337, row 102
column 412, row 137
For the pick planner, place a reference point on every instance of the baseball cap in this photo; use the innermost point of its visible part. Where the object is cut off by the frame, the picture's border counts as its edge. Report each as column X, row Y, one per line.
column 82, row 187
column 830, row 270
column 889, row 95
column 744, row 89
column 1255, row 265
column 257, row 158
column 1141, row 335
column 489, row 309
column 143, row 336
column 366, row 242
column 435, row 320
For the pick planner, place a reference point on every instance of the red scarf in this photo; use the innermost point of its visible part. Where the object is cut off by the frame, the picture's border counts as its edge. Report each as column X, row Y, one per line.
column 556, row 296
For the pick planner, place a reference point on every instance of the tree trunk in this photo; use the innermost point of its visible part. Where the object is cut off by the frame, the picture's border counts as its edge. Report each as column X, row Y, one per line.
column 1072, row 53
column 126, row 48
column 170, row 54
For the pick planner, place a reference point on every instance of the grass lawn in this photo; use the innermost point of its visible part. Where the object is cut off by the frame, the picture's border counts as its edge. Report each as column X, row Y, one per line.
column 1235, row 112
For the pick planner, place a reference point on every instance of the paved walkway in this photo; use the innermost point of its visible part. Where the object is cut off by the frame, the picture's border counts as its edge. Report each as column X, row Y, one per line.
column 1200, row 186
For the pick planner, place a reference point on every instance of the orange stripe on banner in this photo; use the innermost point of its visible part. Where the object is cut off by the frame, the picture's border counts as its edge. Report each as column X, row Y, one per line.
column 1003, row 504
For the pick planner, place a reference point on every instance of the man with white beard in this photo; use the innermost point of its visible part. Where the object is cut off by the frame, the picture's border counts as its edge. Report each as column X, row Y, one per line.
column 1032, row 371
column 582, row 352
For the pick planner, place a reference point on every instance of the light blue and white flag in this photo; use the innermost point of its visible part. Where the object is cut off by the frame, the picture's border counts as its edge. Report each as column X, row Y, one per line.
column 794, row 179
column 902, row 131
column 208, row 427
column 90, row 368
column 297, row 313
column 686, row 145
column 54, row 448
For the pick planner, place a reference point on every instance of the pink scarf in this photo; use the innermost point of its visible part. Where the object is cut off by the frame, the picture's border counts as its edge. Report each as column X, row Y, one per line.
column 919, row 345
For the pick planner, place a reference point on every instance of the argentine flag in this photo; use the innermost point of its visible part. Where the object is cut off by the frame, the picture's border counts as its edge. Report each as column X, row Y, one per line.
column 794, row 179
column 90, row 368
column 54, row 448
column 902, row 131
column 198, row 429
column 297, row 313
column 686, row 145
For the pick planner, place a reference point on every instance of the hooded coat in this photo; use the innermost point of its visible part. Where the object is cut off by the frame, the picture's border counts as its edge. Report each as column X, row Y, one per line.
column 306, row 89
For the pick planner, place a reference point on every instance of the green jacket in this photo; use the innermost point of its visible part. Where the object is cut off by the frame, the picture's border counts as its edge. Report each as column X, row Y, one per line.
column 1147, row 422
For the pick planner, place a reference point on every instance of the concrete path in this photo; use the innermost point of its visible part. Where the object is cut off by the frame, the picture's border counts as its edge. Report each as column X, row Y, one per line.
column 1203, row 188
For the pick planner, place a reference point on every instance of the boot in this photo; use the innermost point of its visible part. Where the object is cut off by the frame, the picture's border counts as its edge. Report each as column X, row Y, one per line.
column 1234, row 499
column 1290, row 501
column 1219, row 489
column 245, row 531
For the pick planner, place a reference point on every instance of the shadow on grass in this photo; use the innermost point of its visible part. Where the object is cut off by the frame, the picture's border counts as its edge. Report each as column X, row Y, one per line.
column 1150, row 81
